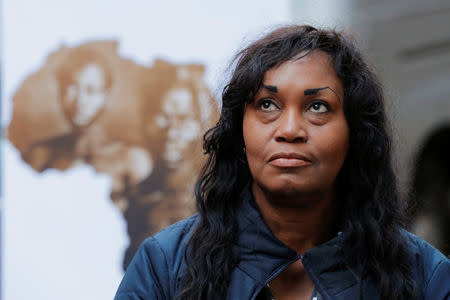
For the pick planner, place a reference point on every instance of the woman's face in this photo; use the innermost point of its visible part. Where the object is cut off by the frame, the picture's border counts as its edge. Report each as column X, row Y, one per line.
column 295, row 132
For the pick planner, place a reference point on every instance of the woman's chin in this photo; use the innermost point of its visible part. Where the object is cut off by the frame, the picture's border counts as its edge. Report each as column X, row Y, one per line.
column 288, row 192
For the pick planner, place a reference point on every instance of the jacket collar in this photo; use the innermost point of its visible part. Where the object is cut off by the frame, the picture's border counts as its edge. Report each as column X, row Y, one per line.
column 263, row 256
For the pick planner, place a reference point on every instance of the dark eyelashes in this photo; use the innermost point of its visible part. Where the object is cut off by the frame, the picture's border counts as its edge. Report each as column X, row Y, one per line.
column 324, row 103
column 265, row 100
column 320, row 101
column 269, row 101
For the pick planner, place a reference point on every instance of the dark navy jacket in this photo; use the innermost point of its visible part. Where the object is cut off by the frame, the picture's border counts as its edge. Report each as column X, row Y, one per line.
column 156, row 270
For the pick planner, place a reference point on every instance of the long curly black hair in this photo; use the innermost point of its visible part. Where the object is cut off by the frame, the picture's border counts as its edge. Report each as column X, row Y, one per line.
column 371, row 214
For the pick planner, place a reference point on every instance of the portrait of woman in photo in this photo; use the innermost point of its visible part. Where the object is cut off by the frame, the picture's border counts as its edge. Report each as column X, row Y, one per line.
column 298, row 197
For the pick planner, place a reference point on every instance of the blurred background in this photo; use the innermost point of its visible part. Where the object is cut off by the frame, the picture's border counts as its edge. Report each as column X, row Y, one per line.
column 103, row 105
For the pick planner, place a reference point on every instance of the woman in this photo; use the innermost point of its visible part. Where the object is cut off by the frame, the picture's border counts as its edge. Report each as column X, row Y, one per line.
column 298, row 197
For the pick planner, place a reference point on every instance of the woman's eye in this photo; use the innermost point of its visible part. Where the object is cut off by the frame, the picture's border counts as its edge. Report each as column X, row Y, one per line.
column 267, row 105
column 319, row 107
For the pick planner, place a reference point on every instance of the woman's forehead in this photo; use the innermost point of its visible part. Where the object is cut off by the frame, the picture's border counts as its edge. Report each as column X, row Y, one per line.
column 314, row 58
column 314, row 72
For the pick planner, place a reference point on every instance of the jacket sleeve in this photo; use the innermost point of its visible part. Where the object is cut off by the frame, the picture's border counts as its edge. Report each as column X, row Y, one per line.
column 438, row 286
column 147, row 275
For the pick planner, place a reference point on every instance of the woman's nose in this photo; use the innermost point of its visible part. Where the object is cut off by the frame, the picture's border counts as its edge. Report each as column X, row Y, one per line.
column 291, row 127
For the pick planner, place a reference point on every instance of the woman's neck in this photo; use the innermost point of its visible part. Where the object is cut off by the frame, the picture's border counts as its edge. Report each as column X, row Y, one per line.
column 302, row 226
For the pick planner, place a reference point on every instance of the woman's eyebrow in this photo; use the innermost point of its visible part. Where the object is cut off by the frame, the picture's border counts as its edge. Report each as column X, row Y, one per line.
column 316, row 90
column 271, row 88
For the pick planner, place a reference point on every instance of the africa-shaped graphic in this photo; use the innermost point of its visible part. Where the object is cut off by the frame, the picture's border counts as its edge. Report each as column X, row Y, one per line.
column 141, row 125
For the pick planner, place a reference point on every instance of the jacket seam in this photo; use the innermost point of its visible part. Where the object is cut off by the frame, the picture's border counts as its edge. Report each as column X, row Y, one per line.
column 432, row 275
column 188, row 226
column 247, row 273
column 165, row 261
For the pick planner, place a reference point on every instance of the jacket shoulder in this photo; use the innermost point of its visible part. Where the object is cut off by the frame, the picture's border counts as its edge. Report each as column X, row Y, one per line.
column 153, row 272
column 173, row 239
column 432, row 268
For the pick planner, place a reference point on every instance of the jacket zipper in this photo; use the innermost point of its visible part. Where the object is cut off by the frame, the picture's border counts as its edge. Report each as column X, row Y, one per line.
column 316, row 282
column 275, row 274
column 314, row 279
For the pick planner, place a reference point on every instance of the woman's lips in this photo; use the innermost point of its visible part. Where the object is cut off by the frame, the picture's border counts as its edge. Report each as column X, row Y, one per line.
column 289, row 160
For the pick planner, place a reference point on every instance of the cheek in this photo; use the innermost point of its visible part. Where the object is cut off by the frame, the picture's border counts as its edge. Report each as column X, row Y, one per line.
column 255, row 164
column 254, row 144
column 334, row 149
column 247, row 132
